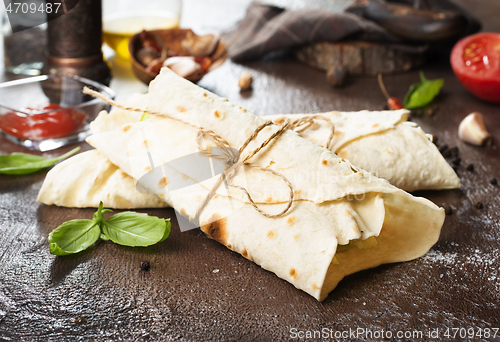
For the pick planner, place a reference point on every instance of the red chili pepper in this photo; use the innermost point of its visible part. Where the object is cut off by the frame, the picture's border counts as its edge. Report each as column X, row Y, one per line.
column 394, row 104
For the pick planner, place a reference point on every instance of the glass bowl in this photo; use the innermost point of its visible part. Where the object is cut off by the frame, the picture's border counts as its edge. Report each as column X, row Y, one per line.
column 46, row 112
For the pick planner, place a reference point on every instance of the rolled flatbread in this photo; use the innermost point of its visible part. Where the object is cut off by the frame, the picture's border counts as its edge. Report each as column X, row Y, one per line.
column 334, row 202
column 90, row 178
column 385, row 144
column 381, row 142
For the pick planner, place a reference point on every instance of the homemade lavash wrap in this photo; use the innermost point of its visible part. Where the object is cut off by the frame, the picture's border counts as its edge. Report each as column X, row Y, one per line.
column 334, row 203
column 383, row 143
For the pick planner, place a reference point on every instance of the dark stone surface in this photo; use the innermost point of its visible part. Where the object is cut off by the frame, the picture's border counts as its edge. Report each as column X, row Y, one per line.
column 197, row 290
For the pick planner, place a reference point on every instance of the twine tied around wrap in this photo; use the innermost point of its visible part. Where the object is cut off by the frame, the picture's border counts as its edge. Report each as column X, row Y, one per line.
column 300, row 125
column 233, row 160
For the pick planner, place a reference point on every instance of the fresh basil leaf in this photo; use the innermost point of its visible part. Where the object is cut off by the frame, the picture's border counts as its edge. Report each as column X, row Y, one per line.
column 23, row 163
column 135, row 229
column 167, row 230
column 423, row 92
column 73, row 236
column 103, row 237
column 410, row 92
column 99, row 214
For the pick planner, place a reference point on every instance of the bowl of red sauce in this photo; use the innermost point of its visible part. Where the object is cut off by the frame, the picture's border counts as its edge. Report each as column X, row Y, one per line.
column 46, row 112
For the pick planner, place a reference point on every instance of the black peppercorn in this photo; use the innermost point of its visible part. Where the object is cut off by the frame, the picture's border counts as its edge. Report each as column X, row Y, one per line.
column 470, row 167
column 145, row 266
column 454, row 151
column 493, row 181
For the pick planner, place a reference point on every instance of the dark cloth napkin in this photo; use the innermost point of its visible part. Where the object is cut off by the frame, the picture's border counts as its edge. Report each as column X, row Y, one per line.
column 267, row 28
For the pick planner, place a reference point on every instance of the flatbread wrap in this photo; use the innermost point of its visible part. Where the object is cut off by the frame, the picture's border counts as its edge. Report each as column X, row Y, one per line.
column 381, row 142
column 334, row 203
column 385, row 144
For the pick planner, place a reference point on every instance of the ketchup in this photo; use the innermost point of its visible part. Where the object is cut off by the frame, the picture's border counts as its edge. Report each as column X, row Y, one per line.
column 56, row 124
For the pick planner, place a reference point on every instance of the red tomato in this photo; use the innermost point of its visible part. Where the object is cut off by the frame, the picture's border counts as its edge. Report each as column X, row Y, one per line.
column 476, row 62
column 56, row 124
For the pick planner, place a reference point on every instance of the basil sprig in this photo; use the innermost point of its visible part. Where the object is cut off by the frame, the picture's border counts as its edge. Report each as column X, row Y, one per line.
column 423, row 92
column 23, row 163
column 126, row 228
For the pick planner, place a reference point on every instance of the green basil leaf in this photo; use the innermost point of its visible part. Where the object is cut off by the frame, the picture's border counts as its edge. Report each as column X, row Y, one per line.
column 135, row 229
column 73, row 236
column 423, row 92
column 22, row 163
column 99, row 214
column 167, row 230
column 410, row 92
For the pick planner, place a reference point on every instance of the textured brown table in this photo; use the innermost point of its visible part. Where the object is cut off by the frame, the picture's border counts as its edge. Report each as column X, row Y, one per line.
column 197, row 290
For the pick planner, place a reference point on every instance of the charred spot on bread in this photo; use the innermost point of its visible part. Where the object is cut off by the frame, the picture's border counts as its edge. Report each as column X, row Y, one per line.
column 181, row 109
column 280, row 121
column 216, row 229
column 162, row 183
column 343, row 153
column 245, row 254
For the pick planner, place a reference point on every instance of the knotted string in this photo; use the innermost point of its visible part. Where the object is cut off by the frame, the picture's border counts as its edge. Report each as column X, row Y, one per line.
column 233, row 160
column 300, row 125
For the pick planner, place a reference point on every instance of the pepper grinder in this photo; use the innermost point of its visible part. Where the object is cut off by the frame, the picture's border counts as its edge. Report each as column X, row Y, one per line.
column 74, row 42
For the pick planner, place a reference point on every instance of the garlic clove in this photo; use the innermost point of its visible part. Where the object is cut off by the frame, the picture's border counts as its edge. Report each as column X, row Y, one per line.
column 183, row 66
column 473, row 131
column 200, row 46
